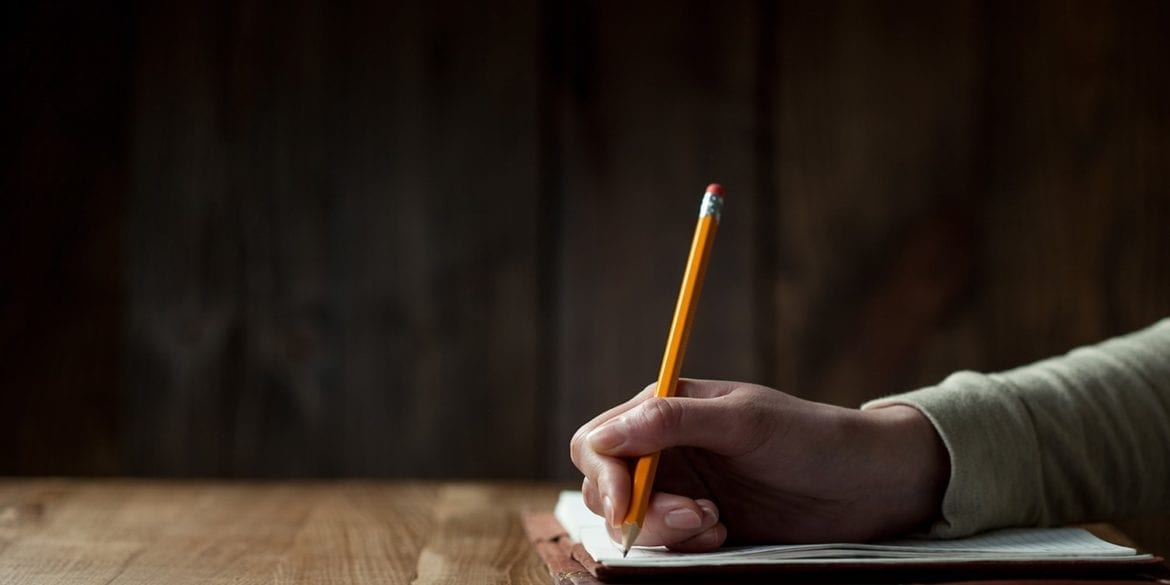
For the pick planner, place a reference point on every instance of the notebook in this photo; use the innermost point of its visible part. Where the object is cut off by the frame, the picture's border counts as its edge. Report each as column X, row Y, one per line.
column 1035, row 550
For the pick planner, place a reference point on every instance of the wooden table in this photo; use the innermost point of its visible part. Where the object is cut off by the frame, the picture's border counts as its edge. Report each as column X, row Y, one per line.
column 149, row 531
column 176, row 532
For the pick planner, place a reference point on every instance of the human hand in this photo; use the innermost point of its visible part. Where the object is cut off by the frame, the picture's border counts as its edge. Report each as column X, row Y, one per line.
column 747, row 463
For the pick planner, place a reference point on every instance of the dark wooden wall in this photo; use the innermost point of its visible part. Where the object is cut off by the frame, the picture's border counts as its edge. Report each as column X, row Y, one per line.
column 431, row 238
column 334, row 255
column 65, row 116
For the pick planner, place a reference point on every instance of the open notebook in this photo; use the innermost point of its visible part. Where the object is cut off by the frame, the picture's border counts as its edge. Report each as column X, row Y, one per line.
column 1022, row 546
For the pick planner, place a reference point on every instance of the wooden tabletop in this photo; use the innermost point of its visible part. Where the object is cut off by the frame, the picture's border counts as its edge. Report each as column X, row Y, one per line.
column 176, row 532
column 148, row 531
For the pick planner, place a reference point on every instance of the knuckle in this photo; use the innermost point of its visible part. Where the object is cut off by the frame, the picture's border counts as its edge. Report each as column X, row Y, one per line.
column 758, row 427
column 575, row 446
column 661, row 415
column 588, row 493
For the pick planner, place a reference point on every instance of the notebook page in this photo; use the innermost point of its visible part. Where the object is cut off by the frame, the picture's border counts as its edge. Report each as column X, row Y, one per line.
column 1022, row 544
column 1055, row 541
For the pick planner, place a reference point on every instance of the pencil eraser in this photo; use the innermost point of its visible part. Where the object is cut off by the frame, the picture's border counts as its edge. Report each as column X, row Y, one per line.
column 716, row 189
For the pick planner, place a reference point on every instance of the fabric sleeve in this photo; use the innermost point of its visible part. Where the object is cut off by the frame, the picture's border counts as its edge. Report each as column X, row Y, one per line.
column 1080, row 437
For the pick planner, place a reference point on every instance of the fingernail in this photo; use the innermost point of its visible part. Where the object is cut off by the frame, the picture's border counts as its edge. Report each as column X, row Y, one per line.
column 683, row 519
column 608, row 437
column 709, row 514
column 608, row 511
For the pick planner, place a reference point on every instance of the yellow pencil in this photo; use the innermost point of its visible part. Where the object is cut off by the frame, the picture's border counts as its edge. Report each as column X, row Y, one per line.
column 676, row 346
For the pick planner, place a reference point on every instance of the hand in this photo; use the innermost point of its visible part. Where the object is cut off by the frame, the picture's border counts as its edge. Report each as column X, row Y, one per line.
column 746, row 463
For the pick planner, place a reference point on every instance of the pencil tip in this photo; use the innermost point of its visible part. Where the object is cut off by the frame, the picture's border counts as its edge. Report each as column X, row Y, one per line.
column 629, row 535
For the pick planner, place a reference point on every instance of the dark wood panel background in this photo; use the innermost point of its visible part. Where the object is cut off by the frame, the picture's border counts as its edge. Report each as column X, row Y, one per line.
column 429, row 239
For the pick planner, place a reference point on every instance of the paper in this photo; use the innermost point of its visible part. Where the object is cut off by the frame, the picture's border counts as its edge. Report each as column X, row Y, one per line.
column 1032, row 544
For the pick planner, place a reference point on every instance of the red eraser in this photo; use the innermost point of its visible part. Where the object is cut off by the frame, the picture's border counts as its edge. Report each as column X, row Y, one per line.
column 715, row 188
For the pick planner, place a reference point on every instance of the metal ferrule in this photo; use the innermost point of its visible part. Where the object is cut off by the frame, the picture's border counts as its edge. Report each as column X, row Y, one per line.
column 712, row 205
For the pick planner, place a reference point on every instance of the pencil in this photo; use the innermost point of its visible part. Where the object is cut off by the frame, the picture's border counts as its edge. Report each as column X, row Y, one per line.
column 676, row 345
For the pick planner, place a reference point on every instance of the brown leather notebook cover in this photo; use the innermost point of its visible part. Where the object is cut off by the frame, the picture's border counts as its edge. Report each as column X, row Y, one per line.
column 570, row 564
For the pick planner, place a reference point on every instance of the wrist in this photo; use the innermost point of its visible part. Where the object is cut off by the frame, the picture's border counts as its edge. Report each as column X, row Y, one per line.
column 912, row 466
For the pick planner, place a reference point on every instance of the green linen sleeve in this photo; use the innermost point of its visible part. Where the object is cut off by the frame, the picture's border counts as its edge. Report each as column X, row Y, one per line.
column 1080, row 437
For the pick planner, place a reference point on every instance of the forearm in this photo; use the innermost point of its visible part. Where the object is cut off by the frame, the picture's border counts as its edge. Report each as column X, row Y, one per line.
column 1078, row 437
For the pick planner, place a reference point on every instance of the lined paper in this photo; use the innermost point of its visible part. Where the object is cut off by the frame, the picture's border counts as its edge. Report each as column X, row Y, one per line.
column 1028, row 544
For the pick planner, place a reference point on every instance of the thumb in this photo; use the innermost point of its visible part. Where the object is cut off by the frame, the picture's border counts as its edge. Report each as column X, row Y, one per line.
column 714, row 424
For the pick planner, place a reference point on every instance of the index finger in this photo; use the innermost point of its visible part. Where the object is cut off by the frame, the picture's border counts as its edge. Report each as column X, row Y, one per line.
column 611, row 475
column 686, row 388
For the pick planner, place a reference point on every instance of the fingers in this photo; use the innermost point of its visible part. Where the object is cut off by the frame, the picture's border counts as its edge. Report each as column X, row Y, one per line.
column 717, row 425
column 609, row 478
column 685, row 388
column 607, row 475
column 593, row 499
column 680, row 523
column 577, row 443
column 705, row 541
column 608, row 481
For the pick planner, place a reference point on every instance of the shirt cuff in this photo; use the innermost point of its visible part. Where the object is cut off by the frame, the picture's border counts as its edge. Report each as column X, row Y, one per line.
column 996, row 478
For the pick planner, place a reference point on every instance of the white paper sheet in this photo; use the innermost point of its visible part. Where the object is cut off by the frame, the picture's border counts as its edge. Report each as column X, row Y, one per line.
column 1030, row 544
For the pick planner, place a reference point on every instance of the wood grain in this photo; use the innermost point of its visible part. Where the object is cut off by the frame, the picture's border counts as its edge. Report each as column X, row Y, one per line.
column 427, row 239
column 1070, row 177
column 68, row 74
column 330, row 244
column 875, row 141
column 122, row 532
